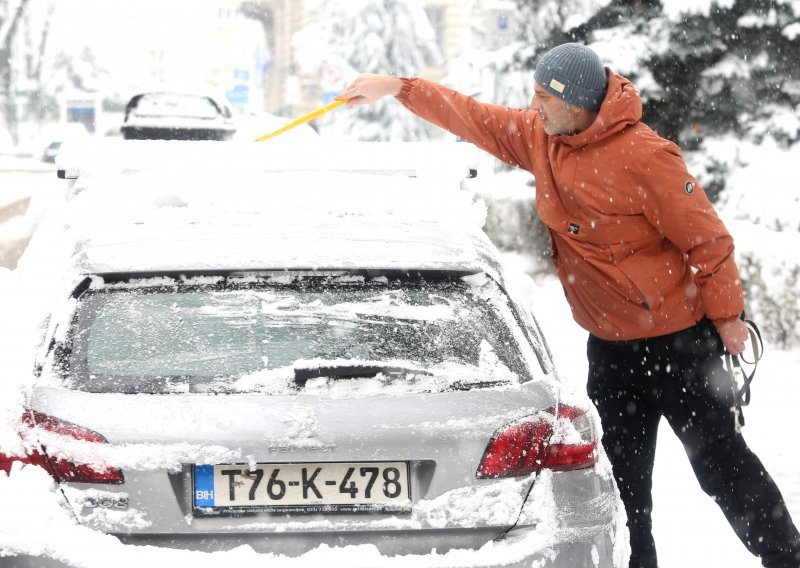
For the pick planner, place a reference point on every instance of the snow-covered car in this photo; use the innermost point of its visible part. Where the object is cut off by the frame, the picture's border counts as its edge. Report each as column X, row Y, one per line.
column 312, row 364
column 55, row 134
column 177, row 115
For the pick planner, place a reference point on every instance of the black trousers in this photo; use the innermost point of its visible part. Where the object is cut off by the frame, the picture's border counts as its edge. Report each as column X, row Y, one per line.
column 681, row 377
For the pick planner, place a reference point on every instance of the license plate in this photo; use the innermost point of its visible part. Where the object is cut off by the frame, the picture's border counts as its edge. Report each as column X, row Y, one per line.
column 304, row 487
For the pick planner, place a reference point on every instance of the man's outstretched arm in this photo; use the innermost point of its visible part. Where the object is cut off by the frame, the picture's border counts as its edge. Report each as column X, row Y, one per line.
column 506, row 133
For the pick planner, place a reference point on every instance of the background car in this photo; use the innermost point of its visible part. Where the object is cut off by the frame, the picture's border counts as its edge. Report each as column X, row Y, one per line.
column 177, row 115
column 51, row 151
column 306, row 359
column 55, row 134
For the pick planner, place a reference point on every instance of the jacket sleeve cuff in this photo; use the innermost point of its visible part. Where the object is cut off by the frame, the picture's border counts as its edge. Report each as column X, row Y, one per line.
column 720, row 321
column 405, row 90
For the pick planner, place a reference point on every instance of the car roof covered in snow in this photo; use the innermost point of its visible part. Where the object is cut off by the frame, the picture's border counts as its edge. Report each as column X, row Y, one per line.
column 155, row 207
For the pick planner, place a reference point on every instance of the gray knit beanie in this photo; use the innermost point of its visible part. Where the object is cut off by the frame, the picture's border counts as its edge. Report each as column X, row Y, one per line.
column 573, row 72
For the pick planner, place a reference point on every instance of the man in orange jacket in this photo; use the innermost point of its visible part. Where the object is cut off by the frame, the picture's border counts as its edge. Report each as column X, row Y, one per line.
column 648, row 269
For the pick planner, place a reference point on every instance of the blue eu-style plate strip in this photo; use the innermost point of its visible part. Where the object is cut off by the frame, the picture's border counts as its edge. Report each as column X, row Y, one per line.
column 204, row 486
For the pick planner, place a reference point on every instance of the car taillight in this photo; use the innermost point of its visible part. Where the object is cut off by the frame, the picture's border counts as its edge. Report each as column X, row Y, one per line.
column 59, row 468
column 540, row 442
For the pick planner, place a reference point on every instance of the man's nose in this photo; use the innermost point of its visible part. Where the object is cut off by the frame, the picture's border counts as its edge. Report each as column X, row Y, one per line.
column 535, row 103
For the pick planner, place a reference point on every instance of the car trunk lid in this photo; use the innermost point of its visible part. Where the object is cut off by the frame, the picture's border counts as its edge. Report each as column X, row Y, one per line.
column 157, row 440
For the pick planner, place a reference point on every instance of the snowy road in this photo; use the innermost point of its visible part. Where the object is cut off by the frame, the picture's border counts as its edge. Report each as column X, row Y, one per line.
column 25, row 190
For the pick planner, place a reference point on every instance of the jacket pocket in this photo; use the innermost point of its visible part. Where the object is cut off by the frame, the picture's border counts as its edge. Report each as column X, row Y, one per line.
column 637, row 293
column 654, row 272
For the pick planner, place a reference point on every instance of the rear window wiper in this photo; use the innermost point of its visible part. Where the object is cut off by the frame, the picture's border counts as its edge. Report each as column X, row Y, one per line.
column 351, row 371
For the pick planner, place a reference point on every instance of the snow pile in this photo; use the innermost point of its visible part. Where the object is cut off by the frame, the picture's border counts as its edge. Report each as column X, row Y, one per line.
column 149, row 200
column 440, row 161
column 375, row 222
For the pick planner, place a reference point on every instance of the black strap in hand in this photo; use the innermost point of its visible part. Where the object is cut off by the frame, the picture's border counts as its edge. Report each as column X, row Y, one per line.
column 733, row 364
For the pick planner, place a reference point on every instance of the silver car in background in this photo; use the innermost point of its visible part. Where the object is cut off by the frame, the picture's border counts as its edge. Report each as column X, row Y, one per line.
column 321, row 374
column 172, row 114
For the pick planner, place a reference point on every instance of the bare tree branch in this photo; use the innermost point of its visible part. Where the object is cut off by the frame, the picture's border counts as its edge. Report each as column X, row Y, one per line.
column 9, row 26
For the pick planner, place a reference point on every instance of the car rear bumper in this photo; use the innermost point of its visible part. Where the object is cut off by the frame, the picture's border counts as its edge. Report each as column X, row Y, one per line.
column 176, row 133
column 522, row 547
column 292, row 545
column 591, row 547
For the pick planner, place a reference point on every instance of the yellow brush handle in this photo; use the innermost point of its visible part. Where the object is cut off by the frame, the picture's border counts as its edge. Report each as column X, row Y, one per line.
column 303, row 119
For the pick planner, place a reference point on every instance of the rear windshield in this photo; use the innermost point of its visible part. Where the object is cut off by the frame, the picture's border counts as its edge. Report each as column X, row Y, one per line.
column 265, row 336
column 176, row 105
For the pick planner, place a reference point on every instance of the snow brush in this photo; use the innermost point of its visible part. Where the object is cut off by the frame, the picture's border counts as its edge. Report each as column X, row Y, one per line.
column 303, row 119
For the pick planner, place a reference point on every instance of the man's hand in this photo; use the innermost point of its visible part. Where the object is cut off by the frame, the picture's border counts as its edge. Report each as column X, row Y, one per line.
column 734, row 334
column 367, row 89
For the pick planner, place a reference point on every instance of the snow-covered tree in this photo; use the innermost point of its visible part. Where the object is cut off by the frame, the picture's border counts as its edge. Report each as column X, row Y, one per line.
column 505, row 75
column 708, row 69
column 376, row 36
column 11, row 13
column 704, row 69
column 539, row 20
column 733, row 69
column 482, row 69
column 24, row 32
column 80, row 71
column 540, row 25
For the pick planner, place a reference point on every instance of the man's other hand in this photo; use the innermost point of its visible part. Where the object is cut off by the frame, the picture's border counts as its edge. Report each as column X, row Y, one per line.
column 734, row 334
column 367, row 89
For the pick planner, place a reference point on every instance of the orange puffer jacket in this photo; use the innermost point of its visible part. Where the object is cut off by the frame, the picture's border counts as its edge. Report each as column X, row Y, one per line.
column 639, row 249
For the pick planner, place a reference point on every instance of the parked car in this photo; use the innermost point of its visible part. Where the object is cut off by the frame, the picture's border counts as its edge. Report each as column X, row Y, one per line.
column 177, row 115
column 55, row 134
column 307, row 359
column 51, row 151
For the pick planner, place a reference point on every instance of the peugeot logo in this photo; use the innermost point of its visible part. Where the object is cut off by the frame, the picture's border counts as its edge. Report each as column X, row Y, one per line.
column 296, row 448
